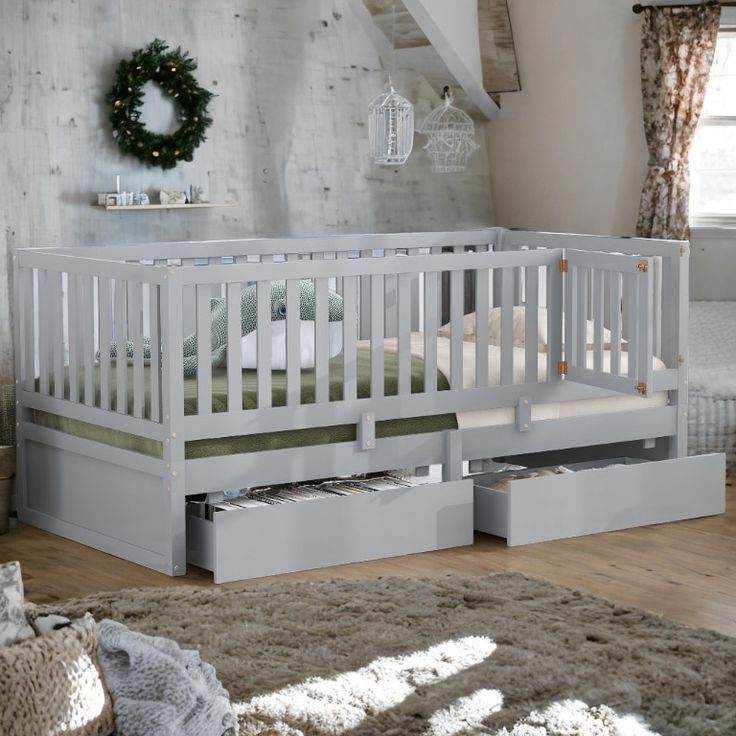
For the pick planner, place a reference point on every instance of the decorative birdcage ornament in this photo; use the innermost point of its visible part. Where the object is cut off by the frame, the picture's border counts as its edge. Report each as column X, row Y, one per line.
column 390, row 128
column 450, row 136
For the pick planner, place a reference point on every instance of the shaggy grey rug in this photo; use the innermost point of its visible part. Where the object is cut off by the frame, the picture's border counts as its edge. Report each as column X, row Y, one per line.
column 443, row 656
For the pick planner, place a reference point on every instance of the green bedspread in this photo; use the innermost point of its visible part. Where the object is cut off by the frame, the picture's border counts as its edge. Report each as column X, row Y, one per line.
column 266, row 441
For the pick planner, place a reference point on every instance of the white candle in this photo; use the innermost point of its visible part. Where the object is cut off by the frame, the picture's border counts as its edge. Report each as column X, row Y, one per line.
column 117, row 183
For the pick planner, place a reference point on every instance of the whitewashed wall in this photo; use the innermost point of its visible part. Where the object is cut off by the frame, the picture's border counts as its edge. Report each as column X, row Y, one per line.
column 289, row 141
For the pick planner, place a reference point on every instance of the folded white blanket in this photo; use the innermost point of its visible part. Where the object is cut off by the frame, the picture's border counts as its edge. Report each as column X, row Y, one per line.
column 159, row 689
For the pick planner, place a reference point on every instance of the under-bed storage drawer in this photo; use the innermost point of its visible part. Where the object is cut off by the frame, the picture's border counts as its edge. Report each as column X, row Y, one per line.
column 600, row 497
column 261, row 541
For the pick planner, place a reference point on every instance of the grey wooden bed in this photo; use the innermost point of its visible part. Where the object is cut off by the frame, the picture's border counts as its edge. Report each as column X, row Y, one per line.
column 110, row 449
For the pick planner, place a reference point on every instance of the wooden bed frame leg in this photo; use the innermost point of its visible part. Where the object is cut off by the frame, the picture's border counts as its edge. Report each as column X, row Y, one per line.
column 452, row 468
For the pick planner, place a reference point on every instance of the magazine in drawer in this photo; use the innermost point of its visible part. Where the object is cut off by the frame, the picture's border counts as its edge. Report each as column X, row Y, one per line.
column 255, row 542
column 597, row 497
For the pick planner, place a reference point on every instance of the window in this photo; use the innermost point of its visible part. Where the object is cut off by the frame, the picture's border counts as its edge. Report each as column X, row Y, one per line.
column 713, row 153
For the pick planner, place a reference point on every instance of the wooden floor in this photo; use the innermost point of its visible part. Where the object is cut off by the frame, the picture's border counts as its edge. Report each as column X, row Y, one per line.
column 685, row 571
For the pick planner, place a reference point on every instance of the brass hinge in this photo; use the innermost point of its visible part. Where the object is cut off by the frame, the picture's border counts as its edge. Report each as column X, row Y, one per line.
column 642, row 266
column 680, row 360
column 562, row 367
column 683, row 249
column 562, row 265
column 641, row 389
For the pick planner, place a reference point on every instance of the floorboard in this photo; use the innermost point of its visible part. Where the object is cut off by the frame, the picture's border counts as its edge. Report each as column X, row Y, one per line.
column 685, row 571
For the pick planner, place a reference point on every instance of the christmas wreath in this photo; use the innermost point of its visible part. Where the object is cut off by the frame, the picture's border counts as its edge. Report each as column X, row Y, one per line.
column 172, row 70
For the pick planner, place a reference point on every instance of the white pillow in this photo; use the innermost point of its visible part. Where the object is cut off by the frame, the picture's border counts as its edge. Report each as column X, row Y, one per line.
column 13, row 624
column 518, row 329
column 249, row 345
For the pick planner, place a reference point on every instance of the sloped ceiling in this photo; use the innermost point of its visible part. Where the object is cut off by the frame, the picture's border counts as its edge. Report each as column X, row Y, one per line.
column 420, row 44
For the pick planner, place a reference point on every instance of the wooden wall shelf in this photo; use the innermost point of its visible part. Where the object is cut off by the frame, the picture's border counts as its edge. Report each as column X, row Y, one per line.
column 139, row 207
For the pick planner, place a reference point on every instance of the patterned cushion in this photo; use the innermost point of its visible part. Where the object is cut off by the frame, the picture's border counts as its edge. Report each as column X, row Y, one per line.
column 13, row 624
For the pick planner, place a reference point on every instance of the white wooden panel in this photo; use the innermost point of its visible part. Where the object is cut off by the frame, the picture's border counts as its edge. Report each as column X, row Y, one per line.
column 56, row 297
column 377, row 352
column 456, row 328
column 481, row 326
column 350, row 336
column 234, row 337
column 597, row 297
column 431, row 311
column 204, row 349
column 531, row 323
column 614, row 311
column 135, row 318
column 154, row 301
column 404, row 329
column 88, row 338
column 321, row 342
column 44, row 331
column 264, row 344
column 104, row 295
column 507, row 326
column 293, row 352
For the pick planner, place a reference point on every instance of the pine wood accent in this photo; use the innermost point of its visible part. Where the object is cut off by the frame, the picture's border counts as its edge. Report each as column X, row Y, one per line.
column 497, row 52
column 683, row 571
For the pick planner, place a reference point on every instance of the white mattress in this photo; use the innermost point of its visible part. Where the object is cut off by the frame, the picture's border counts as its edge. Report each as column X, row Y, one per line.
column 712, row 379
column 553, row 410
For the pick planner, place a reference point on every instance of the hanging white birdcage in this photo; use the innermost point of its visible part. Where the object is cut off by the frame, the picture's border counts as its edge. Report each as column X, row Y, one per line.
column 390, row 128
column 450, row 137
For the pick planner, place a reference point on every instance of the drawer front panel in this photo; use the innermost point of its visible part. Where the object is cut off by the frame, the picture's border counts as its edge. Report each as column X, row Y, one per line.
column 238, row 545
column 605, row 499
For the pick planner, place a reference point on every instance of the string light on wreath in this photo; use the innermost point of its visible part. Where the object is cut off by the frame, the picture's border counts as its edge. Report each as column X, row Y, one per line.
column 172, row 71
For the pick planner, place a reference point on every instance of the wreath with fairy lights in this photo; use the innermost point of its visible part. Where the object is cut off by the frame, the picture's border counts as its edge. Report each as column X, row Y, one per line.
column 172, row 71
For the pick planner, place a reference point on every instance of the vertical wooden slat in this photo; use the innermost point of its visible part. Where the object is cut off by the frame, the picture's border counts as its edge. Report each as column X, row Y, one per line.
column 554, row 299
column 597, row 297
column 365, row 301
column 204, row 349
column 531, row 324
column 44, row 333
column 507, row 326
column 263, row 292
column 390, row 305
column 631, row 321
column 350, row 336
column 234, row 353
column 377, row 354
column 73, row 330
column 457, row 294
column 404, row 329
column 25, row 317
column 431, row 310
column 135, row 321
column 88, row 339
column 571, row 315
column 646, row 326
column 293, row 343
column 614, row 308
column 103, row 296
column 56, row 295
column 154, row 312
column 121, row 363
column 581, row 339
column 321, row 342
column 482, row 304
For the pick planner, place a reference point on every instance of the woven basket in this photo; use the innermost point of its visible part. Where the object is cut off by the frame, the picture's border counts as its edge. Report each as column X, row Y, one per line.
column 53, row 685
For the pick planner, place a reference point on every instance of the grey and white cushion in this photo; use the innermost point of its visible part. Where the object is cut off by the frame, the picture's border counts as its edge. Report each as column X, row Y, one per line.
column 13, row 624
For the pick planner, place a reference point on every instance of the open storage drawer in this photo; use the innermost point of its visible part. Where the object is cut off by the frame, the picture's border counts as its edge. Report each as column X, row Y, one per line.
column 600, row 496
column 255, row 542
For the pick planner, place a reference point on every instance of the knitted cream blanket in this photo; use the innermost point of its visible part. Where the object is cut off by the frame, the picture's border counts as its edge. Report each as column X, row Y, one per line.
column 159, row 689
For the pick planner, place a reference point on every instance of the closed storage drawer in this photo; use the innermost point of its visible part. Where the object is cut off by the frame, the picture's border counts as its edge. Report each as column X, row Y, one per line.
column 599, row 497
column 255, row 542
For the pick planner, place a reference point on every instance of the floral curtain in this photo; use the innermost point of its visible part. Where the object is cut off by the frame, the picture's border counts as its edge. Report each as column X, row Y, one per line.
column 677, row 48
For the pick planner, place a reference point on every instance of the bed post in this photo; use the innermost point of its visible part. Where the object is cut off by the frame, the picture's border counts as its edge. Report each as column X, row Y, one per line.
column 675, row 309
column 172, row 395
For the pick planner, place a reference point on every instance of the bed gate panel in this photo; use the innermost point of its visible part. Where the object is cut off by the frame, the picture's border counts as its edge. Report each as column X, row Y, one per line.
column 619, row 357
